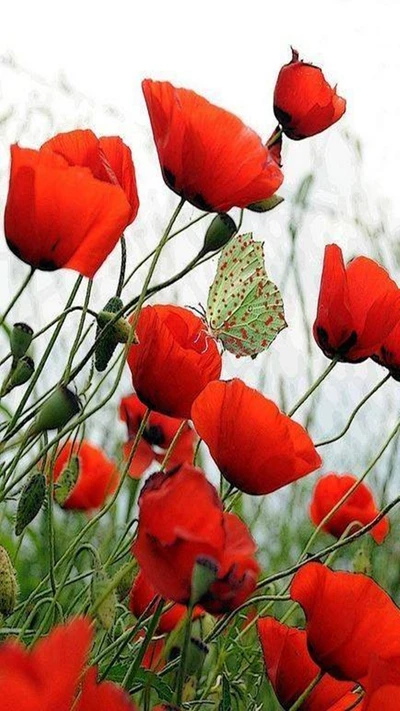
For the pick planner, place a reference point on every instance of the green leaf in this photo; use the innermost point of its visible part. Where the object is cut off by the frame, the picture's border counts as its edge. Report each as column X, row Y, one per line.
column 266, row 205
column 244, row 308
column 225, row 704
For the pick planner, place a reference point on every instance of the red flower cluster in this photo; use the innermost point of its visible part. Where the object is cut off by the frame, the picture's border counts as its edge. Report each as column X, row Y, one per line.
column 173, row 361
column 207, row 155
column 359, row 509
column 157, row 437
column 69, row 203
column 53, row 675
column 181, row 521
column 98, row 476
column 256, row 447
column 358, row 307
column 304, row 102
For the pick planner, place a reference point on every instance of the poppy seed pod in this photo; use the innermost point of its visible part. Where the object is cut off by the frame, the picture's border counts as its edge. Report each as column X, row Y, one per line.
column 8, row 584
column 219, row 232
column 30, row 501
column 56, row 411
column 20, row 339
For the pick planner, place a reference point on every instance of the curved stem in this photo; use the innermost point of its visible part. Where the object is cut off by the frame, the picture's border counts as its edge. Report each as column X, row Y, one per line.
column 313, row 387
column 17, row 295
column 121, row 279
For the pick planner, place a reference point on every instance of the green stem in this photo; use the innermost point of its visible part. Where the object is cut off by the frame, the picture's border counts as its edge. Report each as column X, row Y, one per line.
column 297, row 704
column 313, row 387
column 133, row 669
column 354, row 413
column 183, row 661
column 171, row 447
column 17, row 295
column 121, row 279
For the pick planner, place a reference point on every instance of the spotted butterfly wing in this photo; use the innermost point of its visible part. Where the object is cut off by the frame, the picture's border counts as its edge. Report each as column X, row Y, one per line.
column 244, row 308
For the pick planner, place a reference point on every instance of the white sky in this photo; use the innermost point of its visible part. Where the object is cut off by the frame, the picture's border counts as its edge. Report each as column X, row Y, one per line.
column 230, row 51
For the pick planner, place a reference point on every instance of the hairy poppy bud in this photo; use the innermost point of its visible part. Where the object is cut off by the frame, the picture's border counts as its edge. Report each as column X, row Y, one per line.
column 266, row 205
column 20, row 374
column 20, row 339
column 30, row 501
column 219, row 232
column 67, row 480
column 56, row 411
column 105, row 612
column 8, row 584
column 119, row 332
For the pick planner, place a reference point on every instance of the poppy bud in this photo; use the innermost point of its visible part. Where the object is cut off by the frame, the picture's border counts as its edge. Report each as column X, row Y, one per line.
column 121, row 328
column 56, row 411
column 30, row 502
column 219, row 232
column 20, row 374
column 67, row 480
column 20, row 339
column 8, row 584
column 105, row 612
column 205, row 571
column 109, row 341
column 266, row 205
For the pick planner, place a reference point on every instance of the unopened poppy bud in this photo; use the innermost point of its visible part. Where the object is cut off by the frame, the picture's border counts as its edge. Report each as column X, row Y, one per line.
column 8, row 584
column 219, row 232
column 204, row 574
column 105, row 612
column 266, row 205
column 20, row 339
column 67, row 480
column 31, row 501
column 125, row 584
column 121, row 329
column 56, row 411
column 20, row 374
column 108, row 342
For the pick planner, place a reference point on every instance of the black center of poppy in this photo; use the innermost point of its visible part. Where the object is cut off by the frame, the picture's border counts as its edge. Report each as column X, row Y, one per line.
column 154, row 435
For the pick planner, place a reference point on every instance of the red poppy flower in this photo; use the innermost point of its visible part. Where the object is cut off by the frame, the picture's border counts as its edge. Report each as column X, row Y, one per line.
column 141, row 596
column 157, row 437
column 291, row 670
column 358, row 307
column 181, row 520
column 270, row 450
column 69, row 202
column 174, row 359
column 207, row 155
column 304, row 102
column 382, row 688
column 98, row 476
column 349, row 620
column 48, row 676
column 360, row 507
column 388, row 354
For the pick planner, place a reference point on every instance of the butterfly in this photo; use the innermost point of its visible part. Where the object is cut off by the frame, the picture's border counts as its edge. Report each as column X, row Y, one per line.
column 244, row 307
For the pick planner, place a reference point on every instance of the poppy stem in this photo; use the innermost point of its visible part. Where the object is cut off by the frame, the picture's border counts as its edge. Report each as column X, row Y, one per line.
column 133, row 669
column 274, row 138
column 297, row 704
column 354, row 413
column 180, row 679
column 313, row 387
column 171, row 447
column 17, row 295
column 121, row 279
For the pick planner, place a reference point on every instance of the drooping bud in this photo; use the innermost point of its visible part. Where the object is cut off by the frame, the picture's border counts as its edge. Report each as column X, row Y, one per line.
column 266, row 205
column 219, row 232
column 20, row 339
column 20, row 374
column 204, row 574
column 56, row 411
column 8, row 584
column 106, row 611
column 108, row 342
column 67, row 480
column 31, row 501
